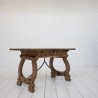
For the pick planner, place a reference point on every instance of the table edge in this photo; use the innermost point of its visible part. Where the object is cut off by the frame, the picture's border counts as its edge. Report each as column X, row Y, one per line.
column 19, row 49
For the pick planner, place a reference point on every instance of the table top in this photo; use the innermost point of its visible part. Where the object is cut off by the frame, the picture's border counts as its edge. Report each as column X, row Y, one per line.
column 43, row 52
column 38, row 49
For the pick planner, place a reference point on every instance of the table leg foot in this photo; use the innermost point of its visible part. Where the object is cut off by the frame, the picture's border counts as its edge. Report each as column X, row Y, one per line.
column 33, row 76
column 19, row 83
column 21, row 79
column 53, row 74
column 67, row 78
column 31, row 88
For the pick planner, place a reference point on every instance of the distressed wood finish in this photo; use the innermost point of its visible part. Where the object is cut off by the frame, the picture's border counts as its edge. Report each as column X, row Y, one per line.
column 55, row 72
column 34, row 55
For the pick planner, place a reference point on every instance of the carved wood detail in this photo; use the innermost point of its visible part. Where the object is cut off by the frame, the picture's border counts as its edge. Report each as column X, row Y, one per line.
column 55, row 72
column 34, row 55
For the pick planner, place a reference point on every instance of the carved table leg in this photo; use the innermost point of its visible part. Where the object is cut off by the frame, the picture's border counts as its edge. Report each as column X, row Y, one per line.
column 55, row 72
column 19, row 82
column 67, row 76
column 33, row 76
column 51, row 67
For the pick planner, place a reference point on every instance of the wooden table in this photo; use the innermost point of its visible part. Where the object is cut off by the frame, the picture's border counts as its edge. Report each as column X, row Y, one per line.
column 34, row 55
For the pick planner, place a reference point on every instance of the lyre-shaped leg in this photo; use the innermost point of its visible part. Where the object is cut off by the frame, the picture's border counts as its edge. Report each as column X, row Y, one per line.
column 67, row 76
column 55, row 72
column 19, row 82
column 33, row 76
column 51, row 67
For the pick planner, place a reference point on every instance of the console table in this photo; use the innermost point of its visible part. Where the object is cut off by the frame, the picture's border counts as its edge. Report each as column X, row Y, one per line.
column 33, row 55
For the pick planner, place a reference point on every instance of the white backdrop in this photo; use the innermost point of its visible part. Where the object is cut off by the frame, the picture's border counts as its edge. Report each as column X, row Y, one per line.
column 49, row 24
